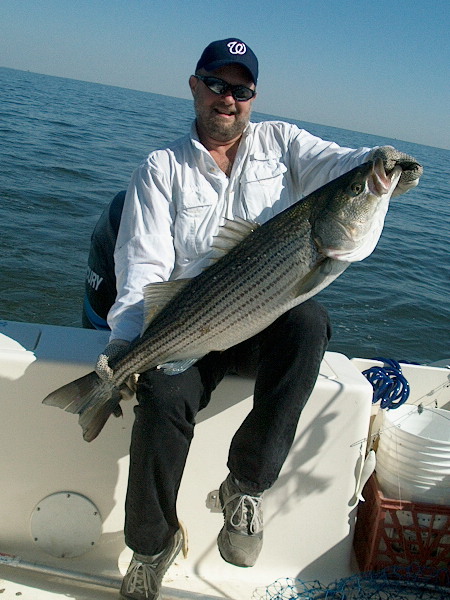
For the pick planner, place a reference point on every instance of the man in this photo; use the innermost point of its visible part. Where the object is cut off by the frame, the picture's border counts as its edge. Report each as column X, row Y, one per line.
column 226, row 167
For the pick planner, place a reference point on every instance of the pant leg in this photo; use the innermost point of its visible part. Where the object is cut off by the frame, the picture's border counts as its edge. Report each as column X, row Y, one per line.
column 290, row 353
column 160, row 441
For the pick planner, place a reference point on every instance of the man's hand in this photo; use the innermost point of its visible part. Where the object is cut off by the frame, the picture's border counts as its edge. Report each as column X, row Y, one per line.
column 411, row 170
column 104, row 371
column 112, row 350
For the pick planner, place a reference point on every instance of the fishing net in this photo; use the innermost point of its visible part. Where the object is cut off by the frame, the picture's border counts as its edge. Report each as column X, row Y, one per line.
column 407, row 583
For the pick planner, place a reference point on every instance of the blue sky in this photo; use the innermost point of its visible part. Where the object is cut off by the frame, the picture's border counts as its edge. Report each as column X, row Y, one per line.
column 379, row 66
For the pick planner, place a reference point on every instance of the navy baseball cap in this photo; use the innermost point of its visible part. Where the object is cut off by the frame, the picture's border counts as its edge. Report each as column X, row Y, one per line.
column 228, row 52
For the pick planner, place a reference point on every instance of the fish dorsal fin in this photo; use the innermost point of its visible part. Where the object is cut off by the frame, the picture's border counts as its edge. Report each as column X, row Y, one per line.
column 157, row 295
column 230, row 234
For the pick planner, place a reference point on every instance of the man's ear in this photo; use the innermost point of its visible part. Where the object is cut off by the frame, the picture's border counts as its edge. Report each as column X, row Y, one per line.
column 193, row 81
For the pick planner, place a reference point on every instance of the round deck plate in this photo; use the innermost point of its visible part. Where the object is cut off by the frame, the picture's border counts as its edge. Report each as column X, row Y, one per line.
column 66, row 524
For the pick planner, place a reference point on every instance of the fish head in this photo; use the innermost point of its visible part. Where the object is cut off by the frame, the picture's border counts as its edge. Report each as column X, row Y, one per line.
column 348, row 224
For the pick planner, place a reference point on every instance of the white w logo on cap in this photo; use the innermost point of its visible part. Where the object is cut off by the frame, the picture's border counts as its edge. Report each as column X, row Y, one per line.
column 237, row 47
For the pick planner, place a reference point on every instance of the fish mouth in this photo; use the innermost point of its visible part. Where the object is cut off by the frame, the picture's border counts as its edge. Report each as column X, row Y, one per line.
column 380, row 180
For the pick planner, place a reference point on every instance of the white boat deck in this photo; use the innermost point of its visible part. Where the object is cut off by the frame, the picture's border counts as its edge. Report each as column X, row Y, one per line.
column 61, row 499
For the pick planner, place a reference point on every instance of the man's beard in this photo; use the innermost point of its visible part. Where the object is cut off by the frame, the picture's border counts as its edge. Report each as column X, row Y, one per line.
column 215, row 126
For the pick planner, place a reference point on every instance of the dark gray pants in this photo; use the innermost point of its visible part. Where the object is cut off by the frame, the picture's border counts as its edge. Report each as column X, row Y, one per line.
column 285, row 359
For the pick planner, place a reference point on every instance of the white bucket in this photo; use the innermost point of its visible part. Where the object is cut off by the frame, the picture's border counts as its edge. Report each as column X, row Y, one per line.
column 434, row 458
column 429, row 427
column 411, row 472
column 409, row 462
column 413, row 456
column 397, row 487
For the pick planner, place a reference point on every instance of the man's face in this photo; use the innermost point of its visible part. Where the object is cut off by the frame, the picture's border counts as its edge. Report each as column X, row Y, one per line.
column 221, row 117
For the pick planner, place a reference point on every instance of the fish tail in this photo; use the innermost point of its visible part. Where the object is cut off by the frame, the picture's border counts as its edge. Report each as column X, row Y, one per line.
column 93, row 399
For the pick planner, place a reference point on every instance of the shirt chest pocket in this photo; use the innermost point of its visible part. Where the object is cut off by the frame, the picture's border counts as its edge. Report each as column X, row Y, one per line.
column 262, row 184
column 191, row 203
column 194, row 213
column 264, row 169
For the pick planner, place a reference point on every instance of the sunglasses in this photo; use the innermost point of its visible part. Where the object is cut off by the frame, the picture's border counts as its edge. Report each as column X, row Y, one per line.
column 220, row 87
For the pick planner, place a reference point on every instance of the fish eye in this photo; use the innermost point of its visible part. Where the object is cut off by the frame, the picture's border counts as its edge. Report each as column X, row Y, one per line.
column 356, row 188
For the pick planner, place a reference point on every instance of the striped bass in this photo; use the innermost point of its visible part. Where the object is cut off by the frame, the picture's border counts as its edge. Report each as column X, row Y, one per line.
column 257, row 274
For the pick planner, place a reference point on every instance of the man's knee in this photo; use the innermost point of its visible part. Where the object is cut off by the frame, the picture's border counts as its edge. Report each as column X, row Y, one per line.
column 173, row 396
column 309, row 319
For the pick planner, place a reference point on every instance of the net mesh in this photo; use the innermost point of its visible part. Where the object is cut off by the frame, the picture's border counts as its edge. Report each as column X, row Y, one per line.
column 408, row 583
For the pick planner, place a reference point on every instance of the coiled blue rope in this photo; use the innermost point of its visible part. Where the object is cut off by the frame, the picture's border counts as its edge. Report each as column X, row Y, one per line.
column 389, row 384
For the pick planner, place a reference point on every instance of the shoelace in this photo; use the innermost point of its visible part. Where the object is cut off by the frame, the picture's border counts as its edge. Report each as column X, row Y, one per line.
column 247, row 504
column 142, row 578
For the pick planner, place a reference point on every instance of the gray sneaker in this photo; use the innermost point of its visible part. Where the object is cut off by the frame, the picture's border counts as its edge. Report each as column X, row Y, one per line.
column 143, row 579
column 240, row 539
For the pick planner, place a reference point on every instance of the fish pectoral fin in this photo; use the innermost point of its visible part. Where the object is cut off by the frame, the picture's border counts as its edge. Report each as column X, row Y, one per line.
column 178, row 366
column 320, row 276
column 157, row 295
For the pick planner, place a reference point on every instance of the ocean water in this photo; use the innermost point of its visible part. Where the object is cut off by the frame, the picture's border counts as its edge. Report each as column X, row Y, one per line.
column 67, row 147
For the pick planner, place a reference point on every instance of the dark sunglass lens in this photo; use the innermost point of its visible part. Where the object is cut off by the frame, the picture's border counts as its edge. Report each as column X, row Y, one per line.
column 242, row 93
column 215, row 85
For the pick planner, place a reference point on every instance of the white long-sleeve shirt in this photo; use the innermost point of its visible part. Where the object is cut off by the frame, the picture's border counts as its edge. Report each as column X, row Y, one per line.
column 178, row 197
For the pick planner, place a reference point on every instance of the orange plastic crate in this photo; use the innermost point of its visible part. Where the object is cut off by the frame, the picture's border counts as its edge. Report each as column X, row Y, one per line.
column 395, row 533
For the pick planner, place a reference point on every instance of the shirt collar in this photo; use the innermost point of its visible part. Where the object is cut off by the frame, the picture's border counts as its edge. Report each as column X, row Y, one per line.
column 197, row 143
